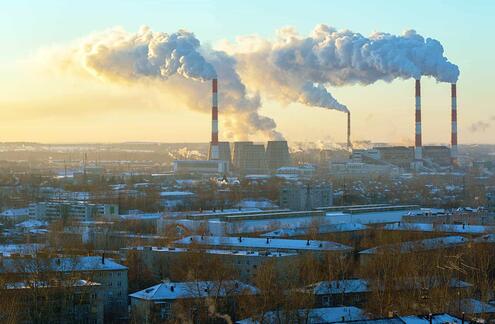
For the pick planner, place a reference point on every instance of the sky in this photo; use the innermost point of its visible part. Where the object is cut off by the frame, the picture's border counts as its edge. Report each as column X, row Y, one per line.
column 43, row 105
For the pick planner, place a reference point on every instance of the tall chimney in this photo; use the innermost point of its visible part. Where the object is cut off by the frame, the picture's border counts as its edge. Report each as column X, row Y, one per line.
column 418, row 148
column 453, row 139
column 349, row 144
column 215, row 154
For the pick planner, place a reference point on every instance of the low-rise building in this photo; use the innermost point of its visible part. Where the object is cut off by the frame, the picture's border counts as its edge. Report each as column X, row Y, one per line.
column 74, row 210
column 186, row 300
column 264, row 244
column 161, row 260
column 71, row 301
column 111, row 275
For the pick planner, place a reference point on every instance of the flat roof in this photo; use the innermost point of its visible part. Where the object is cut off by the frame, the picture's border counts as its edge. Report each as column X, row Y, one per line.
column 264, row 243
column 211, row 251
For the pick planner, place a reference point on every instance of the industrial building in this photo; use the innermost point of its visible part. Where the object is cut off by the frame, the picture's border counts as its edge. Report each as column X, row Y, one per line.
column 277, row 154
column 209, row 167
column 249, row 158
column 306, row 196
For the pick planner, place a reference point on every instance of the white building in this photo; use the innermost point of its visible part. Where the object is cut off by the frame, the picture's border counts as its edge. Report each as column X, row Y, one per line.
column 73, row 210
column 201, row 166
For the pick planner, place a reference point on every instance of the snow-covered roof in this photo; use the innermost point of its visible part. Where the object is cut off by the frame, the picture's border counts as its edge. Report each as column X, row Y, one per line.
column 62, row 264
column 322, row 229
column 15, row 212
column 251, row 253
column 143, row 216
column 314, row 315
column 353, row 286
column 24, row 249
column 473, row 306
column 176, row 194
column 422, row 245
column 446, row 228
column 32, row 223
column 264, row 243
column 193, row 289
column 44, row 284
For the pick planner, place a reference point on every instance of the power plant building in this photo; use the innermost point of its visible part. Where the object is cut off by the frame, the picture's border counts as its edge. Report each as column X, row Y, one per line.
column 223, row 152
column 277, row 154
column 306, row 196
column 201, row 166
column 250, row 158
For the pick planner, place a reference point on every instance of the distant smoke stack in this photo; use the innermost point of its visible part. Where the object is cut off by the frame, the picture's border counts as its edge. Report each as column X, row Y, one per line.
column 349, row 144
column 453, row 148
column 214, row 154
column 418, row 149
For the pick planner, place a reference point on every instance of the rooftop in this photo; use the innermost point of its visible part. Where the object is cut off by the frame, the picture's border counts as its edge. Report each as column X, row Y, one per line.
column 193, row 289
column 422, row 245
column 62, row 264
column 263, row 243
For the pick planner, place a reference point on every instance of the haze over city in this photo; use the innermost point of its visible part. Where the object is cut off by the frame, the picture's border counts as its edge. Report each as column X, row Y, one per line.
column 254, row 162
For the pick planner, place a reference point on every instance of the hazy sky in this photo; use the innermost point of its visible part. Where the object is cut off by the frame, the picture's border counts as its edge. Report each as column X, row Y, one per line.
column 38, row 104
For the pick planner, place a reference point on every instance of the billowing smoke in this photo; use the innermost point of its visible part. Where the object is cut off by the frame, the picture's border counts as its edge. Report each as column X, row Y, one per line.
column 481, row 126
column 291, row 68
column 294, row 68
column 175, row 62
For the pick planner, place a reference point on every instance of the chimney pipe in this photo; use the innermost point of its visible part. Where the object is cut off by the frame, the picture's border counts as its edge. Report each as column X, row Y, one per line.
column 349, row 144
column 453, row 148
column 214, row 150
column 418, row 148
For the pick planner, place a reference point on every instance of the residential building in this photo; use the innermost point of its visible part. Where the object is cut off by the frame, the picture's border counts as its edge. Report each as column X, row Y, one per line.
column 186, row 300
column 73, row 210
column 160, row 260
column 111, row 275
column 71, row 301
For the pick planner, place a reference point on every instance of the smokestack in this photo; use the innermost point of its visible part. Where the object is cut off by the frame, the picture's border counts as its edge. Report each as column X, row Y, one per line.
column 418, row 148
column 349, row 144
column 215, row 155
column 453, row 148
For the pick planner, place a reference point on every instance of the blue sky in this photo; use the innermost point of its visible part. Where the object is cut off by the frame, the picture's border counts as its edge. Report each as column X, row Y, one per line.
column 465, row 28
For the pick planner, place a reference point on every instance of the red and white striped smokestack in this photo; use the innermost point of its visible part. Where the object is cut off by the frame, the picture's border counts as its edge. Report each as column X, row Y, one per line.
column 453, row 148
column 349, row 143
column 214, row 153
column 418, row 148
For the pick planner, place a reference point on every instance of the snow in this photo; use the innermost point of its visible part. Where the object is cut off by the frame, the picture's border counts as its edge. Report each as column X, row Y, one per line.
column 322, row 229
column 15, row 212
column 262, row 243
column 168, row 194
column 32, row 223
column 315, row 315
column 422, row 245
column 473, row 306
column 212, row 251
column 447, row 228
column 63, row 264
column 193, row 289
column 8, row 249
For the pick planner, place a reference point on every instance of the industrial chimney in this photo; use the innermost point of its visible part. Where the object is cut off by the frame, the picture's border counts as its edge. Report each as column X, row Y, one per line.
column 418, row 149
column 214, row 153
column 453, row 148
column 349, row 144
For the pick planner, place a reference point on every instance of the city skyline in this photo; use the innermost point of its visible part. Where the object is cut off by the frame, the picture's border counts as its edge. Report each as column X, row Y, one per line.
column 44, row 103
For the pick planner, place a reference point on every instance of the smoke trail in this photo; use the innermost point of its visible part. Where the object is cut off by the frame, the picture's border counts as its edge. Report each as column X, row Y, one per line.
column 293, row 68
column 174, row 60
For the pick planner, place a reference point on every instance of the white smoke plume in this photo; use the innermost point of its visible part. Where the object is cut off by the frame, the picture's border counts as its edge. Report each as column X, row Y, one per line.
column 175, row 62
column 290, row 68
column 294, row 68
